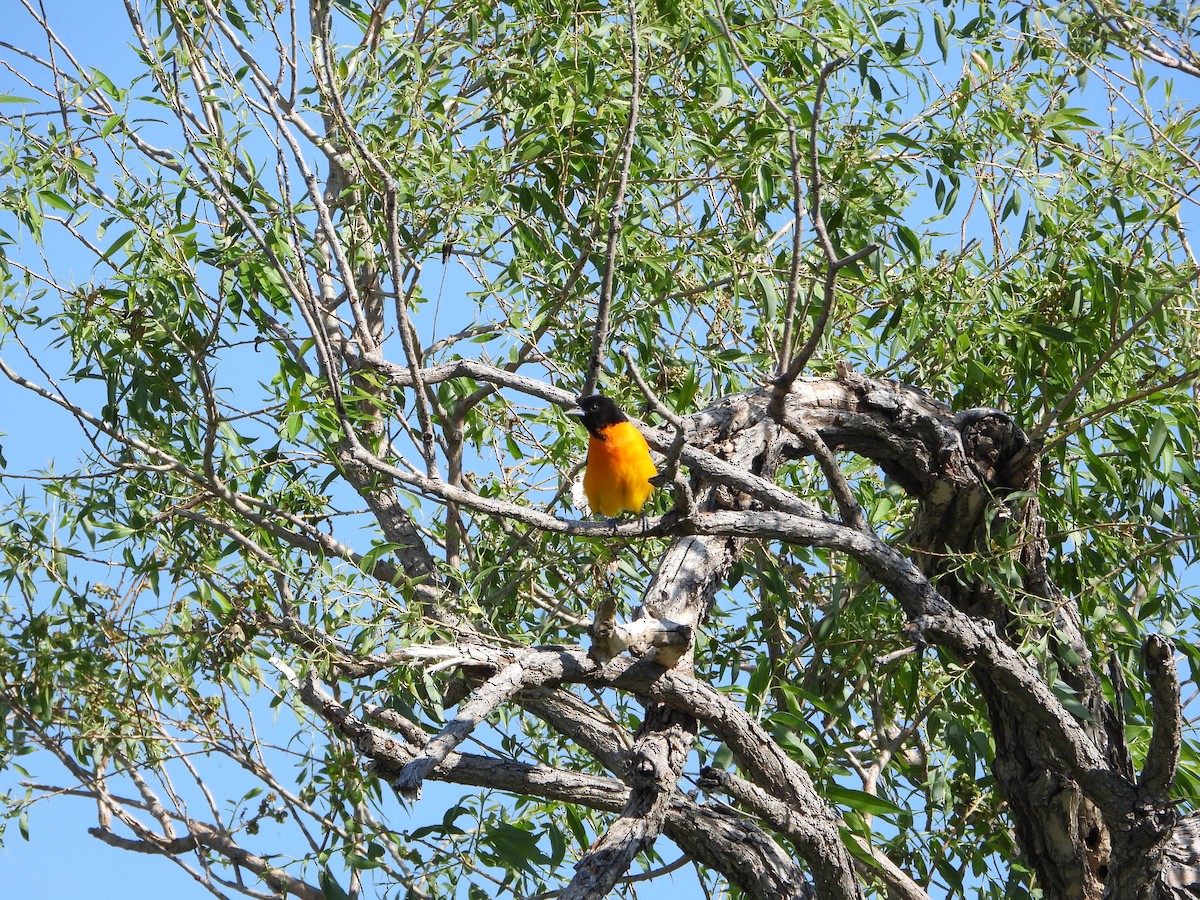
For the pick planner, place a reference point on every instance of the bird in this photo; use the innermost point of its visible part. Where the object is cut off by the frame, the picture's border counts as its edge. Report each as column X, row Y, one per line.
column 619, row 467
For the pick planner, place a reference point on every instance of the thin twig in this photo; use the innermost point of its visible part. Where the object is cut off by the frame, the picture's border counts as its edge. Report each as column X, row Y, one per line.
column 1084, row 380
column 615, row 213
column 669, row 474
column 408, row 340
column 847, row 503
column 1087, row 418
column 833, row 263
column 793, row 288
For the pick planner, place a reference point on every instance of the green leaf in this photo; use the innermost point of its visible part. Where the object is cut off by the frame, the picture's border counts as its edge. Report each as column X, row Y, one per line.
column 1159, row 435
column 723, row 758
column 117, row 244
column 1055, row 334
column 724, row 98
column 372, row 557
column 896, row 137
column 813, row 699
column 517, row 847
column 861, row 801
column 770, row 295
column 940, row 36
column 330, row 887
column 60, row 203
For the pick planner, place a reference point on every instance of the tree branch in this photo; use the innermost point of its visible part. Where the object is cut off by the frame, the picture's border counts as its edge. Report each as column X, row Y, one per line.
column 848, row 506
column 498, row 689
column 616, row 211
column 796, row 828
column 1162, row 757
column 713, row 837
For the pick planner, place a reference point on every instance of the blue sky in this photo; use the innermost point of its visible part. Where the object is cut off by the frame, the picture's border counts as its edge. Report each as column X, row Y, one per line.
column 61, row 860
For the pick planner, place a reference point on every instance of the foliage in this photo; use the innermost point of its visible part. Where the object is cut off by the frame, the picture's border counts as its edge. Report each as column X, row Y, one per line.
column 271, row 241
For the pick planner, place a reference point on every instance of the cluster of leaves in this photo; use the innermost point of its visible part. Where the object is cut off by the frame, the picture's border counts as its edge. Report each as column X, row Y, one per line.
column 1031, row 257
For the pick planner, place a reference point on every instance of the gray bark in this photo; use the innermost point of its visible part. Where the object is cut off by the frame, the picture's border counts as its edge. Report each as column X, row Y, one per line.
column 1088, row 826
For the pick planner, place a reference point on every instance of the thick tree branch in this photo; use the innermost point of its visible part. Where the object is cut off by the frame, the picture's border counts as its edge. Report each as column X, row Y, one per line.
column 712, row 836
column 754, row 750
column 498, row 689
column 1162, row 757
column 974, row 642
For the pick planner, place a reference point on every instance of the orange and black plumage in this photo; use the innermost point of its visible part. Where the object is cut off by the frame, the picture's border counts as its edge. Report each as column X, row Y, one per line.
column 619, row 467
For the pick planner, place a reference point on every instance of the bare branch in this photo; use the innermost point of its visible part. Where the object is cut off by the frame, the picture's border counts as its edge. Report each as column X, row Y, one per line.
column 1162, row 757
column 498, row 689
column 754, row 750
column 609, row 858
column 617, row 211
column 204, row 836
column 712, row 836
column 847, row 503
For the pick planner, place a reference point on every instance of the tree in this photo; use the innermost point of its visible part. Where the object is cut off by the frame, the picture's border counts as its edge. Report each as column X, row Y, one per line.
column 910, row 296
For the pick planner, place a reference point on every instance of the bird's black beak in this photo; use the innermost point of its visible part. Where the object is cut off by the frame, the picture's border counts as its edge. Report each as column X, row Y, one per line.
column 575, row 413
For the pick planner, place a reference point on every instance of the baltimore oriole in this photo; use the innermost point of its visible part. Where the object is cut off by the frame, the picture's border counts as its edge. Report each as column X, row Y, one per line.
column 619, row 467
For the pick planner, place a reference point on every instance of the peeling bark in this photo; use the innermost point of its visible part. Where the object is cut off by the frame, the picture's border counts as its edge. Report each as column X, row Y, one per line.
column 1087, row 827
column 964, row 469
column 685, row 584
column 713, row 836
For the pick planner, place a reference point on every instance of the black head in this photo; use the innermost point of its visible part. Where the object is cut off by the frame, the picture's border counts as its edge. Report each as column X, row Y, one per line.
column 597, row 412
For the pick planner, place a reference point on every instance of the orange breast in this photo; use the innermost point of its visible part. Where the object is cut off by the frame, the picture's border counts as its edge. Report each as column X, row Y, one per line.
column 619, row 470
